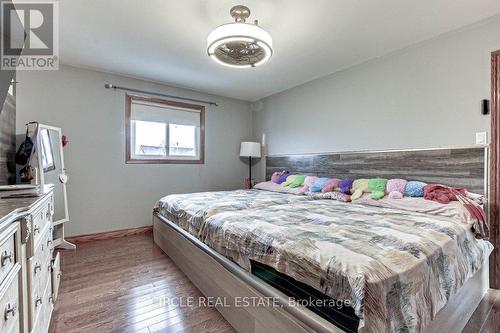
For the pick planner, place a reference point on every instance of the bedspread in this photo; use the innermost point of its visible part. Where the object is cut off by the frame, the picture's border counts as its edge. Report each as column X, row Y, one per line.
column 189, row 211
column 397, row 268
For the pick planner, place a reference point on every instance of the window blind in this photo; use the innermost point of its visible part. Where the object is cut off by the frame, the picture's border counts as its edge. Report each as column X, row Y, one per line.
column 155, row 112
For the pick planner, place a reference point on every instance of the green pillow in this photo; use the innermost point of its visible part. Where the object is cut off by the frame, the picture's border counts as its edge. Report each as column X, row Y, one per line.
column 298, row 181
column 377, row 187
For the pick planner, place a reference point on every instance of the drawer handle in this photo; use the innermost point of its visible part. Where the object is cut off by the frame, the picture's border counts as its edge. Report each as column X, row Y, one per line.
column 49, row 242
column 11, row 310
column 37, row 267
column 6, row 257
column 48, row 215
column 51, row 299
column 36, row 229
column 38, row 301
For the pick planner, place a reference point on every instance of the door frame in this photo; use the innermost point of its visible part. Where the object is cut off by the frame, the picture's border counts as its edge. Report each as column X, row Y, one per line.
column 494, row 172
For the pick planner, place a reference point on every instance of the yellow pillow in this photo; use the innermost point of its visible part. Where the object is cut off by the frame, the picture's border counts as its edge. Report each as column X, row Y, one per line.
column 289, row 180
column 359, row 186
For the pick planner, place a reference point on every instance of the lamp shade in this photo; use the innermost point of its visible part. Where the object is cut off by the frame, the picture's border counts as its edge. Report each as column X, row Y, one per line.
column 250, row 149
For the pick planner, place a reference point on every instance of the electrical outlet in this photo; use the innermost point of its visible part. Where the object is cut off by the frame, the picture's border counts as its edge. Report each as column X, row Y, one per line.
column 481, row 138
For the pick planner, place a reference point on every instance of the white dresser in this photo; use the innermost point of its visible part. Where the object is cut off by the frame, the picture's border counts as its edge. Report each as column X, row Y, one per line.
column 29, row 273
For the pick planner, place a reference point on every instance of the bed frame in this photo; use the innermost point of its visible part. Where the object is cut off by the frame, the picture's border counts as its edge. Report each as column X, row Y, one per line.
column 225, row 281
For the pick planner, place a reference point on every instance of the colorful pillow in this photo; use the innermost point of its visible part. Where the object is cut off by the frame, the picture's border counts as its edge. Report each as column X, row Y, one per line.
column 359, row 186
column 275, row 178
column 345, row 186
column 331, row 185
column 308, row 182
column 330, row 195
column 273, row 187
column 415, row 189
column 396, row 188
column 340, row 196
column 289, row 180
column 298, row 181
column 283, row 177
column 318, row 185
column 377, row 187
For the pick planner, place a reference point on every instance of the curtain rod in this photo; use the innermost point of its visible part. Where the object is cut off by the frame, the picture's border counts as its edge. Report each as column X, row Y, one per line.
column 112, row 86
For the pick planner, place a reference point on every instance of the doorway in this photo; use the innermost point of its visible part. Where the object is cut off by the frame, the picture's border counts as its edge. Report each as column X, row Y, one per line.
column 495, row 171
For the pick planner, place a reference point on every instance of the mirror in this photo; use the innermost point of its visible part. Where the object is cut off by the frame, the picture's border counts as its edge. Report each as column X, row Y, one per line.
column 52, row 167
column 51, row 171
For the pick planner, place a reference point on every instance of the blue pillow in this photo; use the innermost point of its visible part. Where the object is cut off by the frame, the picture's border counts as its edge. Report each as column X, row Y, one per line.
column 283, row 177
column 318, row 184
column 414, row 189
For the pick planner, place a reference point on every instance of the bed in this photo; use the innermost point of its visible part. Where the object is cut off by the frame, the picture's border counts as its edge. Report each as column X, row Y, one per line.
column 189, row 211
column 396, row 268
column 399, row 271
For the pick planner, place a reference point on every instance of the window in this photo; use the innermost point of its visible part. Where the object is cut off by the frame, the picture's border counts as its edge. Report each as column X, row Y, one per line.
column 163, row 131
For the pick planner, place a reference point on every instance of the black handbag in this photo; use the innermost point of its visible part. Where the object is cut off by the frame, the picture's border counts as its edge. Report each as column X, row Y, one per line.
column 25, row 149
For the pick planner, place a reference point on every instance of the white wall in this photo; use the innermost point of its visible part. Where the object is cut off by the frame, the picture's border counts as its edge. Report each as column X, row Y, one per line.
column 428, row 95
column 425, row 96
column 104, row 193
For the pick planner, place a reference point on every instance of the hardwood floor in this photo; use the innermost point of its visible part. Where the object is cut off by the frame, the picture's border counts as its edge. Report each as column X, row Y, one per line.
column 486, row 318
column 117, row 285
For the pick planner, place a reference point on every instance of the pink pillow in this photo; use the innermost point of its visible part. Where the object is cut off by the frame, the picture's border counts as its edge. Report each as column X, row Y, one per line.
column 308, row 182
column 331, row 185
column 275, row 178
column 396, row 188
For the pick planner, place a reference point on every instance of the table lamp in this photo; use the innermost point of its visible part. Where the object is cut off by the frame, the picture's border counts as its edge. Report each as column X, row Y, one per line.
column 250, row 149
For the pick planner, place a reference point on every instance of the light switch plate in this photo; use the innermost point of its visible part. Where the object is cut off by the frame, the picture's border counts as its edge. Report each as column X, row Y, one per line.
column 481, row 138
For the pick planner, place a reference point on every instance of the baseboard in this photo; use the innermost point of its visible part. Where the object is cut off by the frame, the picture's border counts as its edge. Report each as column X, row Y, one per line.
column 110, row 235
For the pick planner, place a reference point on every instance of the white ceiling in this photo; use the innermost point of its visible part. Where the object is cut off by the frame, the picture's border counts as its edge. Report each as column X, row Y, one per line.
column 165, row 40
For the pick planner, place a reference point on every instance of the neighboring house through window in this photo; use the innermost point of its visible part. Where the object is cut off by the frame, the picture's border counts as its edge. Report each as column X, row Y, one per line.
column 164, row 131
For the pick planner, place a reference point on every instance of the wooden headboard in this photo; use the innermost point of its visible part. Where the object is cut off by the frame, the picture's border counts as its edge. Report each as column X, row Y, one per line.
column 458, row 167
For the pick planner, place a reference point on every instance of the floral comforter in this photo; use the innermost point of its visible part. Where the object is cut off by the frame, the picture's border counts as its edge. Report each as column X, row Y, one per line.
column 397, row 268
column 189, row 211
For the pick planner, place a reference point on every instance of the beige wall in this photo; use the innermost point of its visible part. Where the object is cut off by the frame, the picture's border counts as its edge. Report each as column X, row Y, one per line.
column 428, row 95
column 104, row 193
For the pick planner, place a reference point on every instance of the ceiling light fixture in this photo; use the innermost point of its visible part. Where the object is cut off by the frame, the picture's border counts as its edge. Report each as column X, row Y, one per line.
column 240, row 44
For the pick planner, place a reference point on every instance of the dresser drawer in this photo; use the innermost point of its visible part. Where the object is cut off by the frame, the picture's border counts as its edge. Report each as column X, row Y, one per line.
column 10, row 321
column 7, row 250
column 43, row 251
column 56, row 275
column 39, row 269
column 41, row 219
column 43, row 311
column 40, row 280
column 39, row 273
